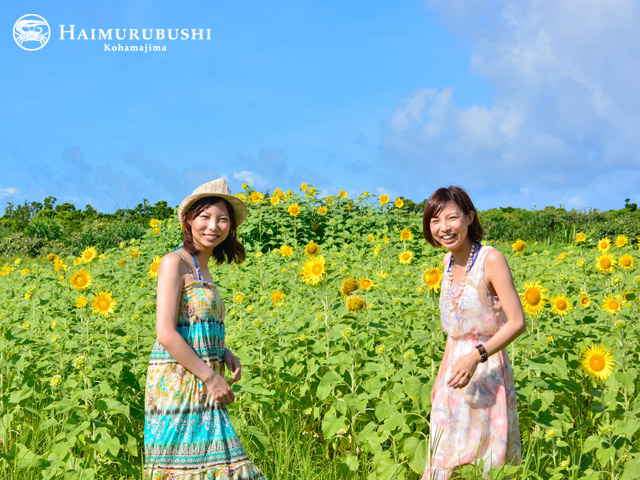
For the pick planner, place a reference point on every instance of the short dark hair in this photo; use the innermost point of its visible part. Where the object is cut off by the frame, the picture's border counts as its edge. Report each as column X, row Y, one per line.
column 231, row 250
column 437, row 202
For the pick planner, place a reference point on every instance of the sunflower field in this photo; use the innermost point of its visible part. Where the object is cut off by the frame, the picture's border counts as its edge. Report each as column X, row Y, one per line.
column 335, row 318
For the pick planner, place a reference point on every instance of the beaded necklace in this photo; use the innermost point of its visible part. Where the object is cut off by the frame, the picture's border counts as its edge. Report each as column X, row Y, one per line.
column 454, row 298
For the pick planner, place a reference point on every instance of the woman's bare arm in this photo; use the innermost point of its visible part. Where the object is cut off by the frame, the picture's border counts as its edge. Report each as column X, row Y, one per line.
column 170, row 284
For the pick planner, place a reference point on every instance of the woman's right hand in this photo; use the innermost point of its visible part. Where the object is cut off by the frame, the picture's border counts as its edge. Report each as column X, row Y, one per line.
column 220, row 390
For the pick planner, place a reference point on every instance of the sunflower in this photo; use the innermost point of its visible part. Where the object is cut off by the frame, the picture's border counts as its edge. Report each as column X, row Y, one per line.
column 59, row 265
column 313, row 271
column 585, row 301
column 355, row 303
column 342, row 194
column 519, row 246
column 612, row 304
column 81, row 301
column 89, row 254
column 311, row 249
column 366, row 283
column 605, row 262
column 275, row 200
column 294, row 210
column 597, row 361
column 580, row 262
column 383, row 199
column 122, row 261
column 405, row 257
column 562, row 256
column 286, row 250
column 303, row 187
column 625, row 261
column 348, row 207
column 322, row 210
column 399, row 203
column 134, row 252
column 349, row 285
column 406, row 234
column 376, row 251
column 81, row 280
column 432, row 279
column 238, row 297
column 51, row 257
column 560, row 305
column 604, row 244
column 311, row 191
column 385, row 240
column 154, row 222
column 103, row 303
column 581, row 237
column 533, row 298
column 621, row 241
column 153, row 268
column 256, row 197
column 277, row 297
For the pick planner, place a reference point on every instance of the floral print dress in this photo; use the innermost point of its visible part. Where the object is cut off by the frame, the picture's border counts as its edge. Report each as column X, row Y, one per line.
column 187, row 435
column 477, row 423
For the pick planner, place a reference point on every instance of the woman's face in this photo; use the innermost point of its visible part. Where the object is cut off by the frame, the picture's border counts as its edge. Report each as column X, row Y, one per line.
column 450, row 227
column 211, row 227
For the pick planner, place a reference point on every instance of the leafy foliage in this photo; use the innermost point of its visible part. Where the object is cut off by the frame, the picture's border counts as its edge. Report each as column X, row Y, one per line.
column 326, row 393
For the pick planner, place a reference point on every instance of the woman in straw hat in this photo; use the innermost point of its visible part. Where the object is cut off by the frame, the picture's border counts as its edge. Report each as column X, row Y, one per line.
column 187, row 432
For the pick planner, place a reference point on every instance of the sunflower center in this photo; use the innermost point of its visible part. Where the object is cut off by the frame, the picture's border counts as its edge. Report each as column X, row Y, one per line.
column 561, row 304
column 103, row 304
column 596, row 362
column 81, row 281
column 605, row 263
column 317, row 269
column 584, row 300
column 614, row 305
column 532, row 296
column 154, row 267
column 625, row 262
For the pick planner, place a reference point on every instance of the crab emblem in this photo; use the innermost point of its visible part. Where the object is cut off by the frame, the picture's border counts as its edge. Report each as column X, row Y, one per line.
column 31, row 28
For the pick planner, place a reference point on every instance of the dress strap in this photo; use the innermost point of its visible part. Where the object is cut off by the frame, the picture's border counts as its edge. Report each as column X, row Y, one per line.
column 187, row 263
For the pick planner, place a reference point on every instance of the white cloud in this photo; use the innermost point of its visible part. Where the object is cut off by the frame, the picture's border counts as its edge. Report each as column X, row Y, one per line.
column 565, row 110
column 251, row 178
column 8, row 192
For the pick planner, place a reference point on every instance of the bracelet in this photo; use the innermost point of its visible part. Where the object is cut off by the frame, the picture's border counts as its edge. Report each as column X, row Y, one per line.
column 483, row 353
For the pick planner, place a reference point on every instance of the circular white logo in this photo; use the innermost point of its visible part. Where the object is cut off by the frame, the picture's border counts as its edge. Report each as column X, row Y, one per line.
column 31, row 32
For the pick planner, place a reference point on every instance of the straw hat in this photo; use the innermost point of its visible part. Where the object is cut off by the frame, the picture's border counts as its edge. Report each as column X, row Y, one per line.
column 214, row 188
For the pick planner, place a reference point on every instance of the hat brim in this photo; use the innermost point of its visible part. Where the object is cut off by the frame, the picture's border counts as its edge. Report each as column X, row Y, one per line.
column 239, row 207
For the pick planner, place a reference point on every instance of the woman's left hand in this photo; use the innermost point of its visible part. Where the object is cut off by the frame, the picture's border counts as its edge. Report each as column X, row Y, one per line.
column 464, row 369
column 233, row 364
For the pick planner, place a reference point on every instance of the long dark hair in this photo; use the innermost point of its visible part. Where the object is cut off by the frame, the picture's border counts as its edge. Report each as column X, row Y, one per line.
column 437, row 202
column 231, row 250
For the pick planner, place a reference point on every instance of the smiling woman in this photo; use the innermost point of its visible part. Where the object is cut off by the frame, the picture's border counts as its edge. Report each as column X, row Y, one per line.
column 473, row 415
column 187, row 433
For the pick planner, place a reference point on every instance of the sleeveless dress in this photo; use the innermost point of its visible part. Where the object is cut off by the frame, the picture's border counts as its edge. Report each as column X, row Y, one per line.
column 480, row 421
column 187, row 435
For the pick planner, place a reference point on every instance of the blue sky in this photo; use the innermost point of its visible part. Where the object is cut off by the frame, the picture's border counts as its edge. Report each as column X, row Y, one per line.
column 524, row 103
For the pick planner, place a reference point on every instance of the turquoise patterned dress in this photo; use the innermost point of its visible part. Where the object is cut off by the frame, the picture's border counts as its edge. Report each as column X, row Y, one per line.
column 187, row 435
